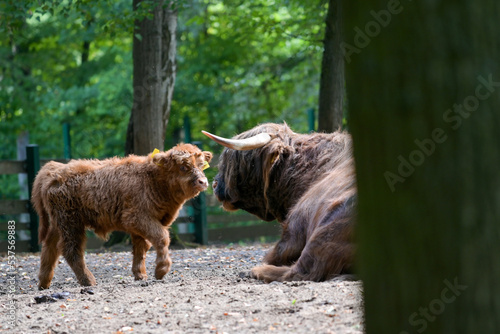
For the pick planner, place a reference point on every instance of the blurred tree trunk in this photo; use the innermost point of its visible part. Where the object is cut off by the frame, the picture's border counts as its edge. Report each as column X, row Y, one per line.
column 331, row 90
column 424, row 79
column 154, row 53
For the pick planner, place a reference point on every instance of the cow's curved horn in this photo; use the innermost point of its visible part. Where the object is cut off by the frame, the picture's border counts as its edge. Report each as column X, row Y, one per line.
column 241, row 144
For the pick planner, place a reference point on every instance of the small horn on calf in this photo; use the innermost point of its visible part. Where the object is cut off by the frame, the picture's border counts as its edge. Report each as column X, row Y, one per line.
column 241, row 144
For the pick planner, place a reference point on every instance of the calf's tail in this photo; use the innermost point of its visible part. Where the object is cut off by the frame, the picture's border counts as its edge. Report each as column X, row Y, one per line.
column 37, row 200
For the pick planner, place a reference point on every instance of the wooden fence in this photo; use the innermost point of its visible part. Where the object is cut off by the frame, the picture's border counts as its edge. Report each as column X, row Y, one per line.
column 193, row 224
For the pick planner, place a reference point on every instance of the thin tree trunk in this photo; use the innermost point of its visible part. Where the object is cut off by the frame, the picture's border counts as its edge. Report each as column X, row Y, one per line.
column 424, row 82
column 83, row 77
column 331, row 91
column 169, row 68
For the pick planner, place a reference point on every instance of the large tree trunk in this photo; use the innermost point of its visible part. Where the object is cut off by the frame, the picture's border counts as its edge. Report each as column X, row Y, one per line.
column 424, row 83
column 154, row 78
column 331, row 90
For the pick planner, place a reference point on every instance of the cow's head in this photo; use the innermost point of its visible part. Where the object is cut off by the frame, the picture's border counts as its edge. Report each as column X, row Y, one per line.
column 246, row 167
column 183, row 165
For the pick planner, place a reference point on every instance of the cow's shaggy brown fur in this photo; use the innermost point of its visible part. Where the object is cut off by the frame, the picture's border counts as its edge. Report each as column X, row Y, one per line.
column 141, row 195
column 307, row 183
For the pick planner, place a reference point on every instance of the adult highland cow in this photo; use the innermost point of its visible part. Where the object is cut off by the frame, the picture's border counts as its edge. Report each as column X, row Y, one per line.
column 141, row 195
column 304, row 181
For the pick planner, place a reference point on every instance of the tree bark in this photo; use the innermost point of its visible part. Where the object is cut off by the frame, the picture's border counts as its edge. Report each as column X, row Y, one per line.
column 424, row 82
column 154, row 78
column 332, row 91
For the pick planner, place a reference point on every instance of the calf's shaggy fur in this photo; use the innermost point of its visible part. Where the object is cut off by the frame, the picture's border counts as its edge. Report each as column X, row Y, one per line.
column 141, row 195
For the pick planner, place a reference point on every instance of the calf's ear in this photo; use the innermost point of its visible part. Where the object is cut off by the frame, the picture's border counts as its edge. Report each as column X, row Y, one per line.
column 208, row 156
column 158, row 157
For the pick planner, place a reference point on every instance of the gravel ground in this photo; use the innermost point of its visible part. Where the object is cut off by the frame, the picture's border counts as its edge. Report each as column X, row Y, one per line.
column 207, row 291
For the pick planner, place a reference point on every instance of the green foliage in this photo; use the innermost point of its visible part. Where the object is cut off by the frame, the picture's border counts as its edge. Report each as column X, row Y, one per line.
column 60, row 63
column 240, row 63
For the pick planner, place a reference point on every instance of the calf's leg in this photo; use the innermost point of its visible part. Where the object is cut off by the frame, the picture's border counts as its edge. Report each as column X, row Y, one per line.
column 50, row 253
column 73, row 249
column 139, row 248
column 158, row 235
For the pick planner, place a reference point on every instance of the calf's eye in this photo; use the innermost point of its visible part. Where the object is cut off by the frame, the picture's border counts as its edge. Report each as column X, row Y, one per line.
column 184, row 169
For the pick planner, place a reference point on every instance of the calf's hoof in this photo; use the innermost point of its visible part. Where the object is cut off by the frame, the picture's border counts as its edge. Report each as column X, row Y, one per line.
column 161, row 271
column 87, row 281
column 140, row 277
column 43, row 286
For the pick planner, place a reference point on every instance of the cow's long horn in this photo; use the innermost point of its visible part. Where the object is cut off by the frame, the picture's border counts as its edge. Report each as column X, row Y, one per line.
column 241, row 144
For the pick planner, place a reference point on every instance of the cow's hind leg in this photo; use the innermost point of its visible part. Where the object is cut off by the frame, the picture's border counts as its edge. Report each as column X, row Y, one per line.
column 322, row 258
column 140, row 247
column 50, row 253
column 73, row 250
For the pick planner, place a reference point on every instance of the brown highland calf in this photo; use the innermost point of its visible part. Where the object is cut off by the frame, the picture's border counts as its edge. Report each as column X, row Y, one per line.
column 141, row 195
column 304, row 181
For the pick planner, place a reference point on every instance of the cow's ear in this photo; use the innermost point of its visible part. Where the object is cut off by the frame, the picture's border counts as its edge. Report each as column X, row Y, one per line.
column 208, row 156
column 275, row 153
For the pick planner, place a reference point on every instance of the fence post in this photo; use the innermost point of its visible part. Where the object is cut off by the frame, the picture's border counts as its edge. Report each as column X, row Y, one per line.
column 67, row 141
column 32, row 168
column 200, row 213
column 187, row 129
column 311, row 119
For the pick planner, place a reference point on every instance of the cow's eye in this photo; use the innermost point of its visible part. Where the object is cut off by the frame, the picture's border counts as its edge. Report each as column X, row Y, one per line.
column 183, row 168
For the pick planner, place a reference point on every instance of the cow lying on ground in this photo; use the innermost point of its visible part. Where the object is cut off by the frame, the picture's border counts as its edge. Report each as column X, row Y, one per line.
column 141, row 195
column 307, row 183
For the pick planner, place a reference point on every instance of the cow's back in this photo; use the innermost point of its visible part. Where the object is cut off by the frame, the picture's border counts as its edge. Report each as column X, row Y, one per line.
column 329, row 200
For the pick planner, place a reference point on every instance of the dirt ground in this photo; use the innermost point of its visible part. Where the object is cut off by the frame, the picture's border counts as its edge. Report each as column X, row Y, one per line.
column 207, row 291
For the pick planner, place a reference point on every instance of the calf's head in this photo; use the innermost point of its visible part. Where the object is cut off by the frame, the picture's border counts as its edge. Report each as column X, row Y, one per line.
column 247, row 165
column 183, row 166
